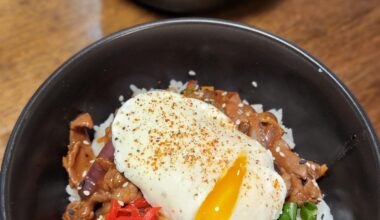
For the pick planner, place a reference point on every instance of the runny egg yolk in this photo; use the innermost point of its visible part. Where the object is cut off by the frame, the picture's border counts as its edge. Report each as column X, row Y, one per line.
column 220, row 202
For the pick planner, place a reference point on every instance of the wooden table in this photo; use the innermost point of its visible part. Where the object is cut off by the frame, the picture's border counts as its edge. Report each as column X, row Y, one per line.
column 37, row 36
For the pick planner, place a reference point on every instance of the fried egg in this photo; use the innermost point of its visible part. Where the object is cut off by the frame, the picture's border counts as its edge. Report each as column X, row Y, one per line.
column 188, row 158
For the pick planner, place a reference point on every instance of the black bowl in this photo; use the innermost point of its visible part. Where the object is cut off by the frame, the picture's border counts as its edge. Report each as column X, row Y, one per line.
column 328, row 123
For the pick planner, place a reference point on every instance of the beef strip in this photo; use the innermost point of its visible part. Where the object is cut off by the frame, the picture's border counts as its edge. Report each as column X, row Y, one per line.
column 77, row 160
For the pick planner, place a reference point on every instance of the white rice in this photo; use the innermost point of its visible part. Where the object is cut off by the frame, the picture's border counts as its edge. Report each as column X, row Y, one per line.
column 73, row 194
column 121, row 98
column 177, row 86
column 100, row 131
column 192, row 73
column 288, row 137
column 136, row 90
column 258, row 108
column 324, row 210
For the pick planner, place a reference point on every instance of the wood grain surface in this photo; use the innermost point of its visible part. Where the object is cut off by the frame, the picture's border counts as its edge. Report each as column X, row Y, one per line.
column 37, row 36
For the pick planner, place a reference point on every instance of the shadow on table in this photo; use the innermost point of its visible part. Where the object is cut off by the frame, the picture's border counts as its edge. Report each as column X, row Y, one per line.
column 242, row 8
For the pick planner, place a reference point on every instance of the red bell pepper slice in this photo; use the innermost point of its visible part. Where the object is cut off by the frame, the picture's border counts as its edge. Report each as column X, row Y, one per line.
column 131, row 211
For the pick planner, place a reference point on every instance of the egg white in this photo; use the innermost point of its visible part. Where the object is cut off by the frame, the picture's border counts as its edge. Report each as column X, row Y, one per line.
column 175, row 148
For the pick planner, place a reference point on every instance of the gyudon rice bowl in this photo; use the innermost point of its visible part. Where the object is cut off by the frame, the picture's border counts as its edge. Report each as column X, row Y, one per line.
column 189, row 152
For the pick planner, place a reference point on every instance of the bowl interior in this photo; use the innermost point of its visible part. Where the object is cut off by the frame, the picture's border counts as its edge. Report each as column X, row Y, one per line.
column 327, row 126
